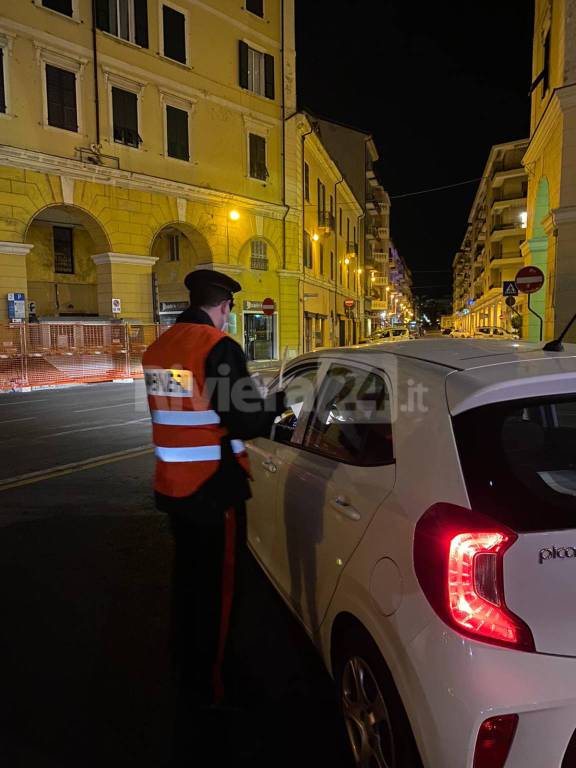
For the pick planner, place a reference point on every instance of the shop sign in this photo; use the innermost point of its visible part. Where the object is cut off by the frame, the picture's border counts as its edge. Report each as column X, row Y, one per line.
column 253, row 306
column 170, row 307
column 116, row 306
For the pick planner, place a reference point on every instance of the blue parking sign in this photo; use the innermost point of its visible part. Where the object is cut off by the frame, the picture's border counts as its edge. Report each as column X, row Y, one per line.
column 16, row 306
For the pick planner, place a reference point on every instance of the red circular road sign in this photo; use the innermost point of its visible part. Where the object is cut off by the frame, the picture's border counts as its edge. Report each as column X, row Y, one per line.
column 268, row 306
column 530, row 279
column 349, row 303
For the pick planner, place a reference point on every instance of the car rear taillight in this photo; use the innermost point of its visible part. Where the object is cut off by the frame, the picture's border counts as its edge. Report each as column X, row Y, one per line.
column 494, row 741
column 458, row 557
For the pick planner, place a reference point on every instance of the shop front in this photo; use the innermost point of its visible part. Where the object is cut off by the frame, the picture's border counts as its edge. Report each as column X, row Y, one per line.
column 260, row 332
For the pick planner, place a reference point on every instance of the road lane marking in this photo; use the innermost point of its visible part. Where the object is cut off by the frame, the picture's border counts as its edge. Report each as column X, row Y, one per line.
column 11, row 421
column 23, row 400
column 77, row 466
column 90, row 429
column 103, row 407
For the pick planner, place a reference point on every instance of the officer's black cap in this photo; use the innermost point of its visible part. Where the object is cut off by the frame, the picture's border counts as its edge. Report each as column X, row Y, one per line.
column 201, row 279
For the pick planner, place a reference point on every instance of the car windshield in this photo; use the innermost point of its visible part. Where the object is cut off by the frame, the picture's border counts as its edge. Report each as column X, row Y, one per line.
column 519, row 461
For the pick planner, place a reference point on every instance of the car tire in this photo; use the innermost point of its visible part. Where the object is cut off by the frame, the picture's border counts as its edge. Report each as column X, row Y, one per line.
column 378, row 729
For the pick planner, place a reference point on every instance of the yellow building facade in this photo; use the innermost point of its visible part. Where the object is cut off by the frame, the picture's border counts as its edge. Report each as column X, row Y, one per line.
column 330, row 275
column 491, row 252
column 141, row 144
column 550, row 162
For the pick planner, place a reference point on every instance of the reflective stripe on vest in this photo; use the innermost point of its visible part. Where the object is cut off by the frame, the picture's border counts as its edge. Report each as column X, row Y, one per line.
column 185, row 418
column 197, row 453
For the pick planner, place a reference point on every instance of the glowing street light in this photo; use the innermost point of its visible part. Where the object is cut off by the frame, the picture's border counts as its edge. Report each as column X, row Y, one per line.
column 234, row 215
column 315, row 237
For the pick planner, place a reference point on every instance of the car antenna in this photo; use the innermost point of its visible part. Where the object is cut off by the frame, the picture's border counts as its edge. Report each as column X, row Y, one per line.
column 556, row 344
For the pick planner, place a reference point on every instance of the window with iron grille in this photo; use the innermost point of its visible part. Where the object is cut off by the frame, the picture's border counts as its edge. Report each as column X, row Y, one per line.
column 173, row 247
column 256, row 7
column 174, row 24
column 177, row 133
column 259, row 255
column 61, row 6
column 258, row 168
column 2, row 85
column 125, row 117
column 126, row 19
column 63, row 238
column 256, row 70
column 61, row 98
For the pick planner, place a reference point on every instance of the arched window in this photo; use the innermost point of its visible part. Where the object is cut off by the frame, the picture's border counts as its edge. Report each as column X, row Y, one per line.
column 259, row 255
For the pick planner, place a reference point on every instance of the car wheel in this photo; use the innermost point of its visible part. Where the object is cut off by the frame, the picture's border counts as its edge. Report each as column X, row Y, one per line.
column 378, row 729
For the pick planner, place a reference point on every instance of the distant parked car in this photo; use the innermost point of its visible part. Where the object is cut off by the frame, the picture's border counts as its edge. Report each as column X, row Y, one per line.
column 392, row 334
column 458, row 333
column 494, row 332
column 447, row 331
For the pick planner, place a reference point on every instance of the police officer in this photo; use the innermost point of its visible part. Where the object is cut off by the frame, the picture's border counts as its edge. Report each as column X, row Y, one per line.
column 203, row 404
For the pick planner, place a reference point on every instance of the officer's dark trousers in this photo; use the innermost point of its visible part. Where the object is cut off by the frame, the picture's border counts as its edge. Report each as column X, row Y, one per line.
column 205, row 575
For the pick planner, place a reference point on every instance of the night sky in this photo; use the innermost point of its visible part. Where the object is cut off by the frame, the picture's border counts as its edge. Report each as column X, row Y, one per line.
column 437, row 85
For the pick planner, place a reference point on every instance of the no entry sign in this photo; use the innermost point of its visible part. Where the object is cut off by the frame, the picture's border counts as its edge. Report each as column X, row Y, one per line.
column 268, row 306
column 529, row 279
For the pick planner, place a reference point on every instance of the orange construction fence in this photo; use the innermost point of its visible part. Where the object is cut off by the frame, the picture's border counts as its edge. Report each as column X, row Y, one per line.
column 51, row 354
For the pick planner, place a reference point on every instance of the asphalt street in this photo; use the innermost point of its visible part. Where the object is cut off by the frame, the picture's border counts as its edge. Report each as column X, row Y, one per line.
column 85, row 566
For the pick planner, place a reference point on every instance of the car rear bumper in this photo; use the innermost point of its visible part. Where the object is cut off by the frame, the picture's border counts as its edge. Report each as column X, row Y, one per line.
column 464, row 683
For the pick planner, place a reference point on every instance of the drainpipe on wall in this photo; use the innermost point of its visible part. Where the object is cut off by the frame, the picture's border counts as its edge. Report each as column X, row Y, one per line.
column 95, row 70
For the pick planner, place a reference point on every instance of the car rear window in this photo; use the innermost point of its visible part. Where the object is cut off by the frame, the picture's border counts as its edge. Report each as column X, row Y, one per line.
column 519, row 461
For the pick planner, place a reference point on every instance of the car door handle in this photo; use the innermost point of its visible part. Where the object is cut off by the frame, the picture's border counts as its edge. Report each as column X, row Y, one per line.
column 269, row 466
column 340, row 504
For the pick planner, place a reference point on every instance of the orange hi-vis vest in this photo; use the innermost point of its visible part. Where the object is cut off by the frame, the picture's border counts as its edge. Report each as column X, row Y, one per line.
column 186, row 430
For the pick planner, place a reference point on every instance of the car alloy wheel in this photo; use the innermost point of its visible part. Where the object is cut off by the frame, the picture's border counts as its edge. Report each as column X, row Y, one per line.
column 366, row 716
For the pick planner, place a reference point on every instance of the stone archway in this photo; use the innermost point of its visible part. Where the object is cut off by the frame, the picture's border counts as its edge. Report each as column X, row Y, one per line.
column 62, row 278
column 178, row 248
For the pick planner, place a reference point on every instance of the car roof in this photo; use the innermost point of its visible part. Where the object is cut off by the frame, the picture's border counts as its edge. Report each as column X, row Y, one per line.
column 478, row 371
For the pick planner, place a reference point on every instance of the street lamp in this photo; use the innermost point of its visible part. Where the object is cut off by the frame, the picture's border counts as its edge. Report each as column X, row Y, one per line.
column 233, row 215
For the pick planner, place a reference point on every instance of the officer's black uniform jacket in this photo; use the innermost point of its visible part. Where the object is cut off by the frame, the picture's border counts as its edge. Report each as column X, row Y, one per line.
column 229, row 485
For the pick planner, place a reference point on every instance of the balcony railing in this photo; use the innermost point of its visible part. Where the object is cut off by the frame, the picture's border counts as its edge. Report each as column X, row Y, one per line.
column 326, row 222
column 352, row 249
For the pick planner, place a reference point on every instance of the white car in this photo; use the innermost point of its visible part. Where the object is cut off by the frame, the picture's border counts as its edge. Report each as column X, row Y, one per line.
column 392, row 334
column 494, row 332
column 416, row 509
column 458, row 333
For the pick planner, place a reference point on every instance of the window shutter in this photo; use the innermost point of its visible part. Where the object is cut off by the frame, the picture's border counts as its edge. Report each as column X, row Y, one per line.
column 61, row 6
column 269, row 75
column 258, row 168
column 141, row 22
column 177, row 130
column 2, row 87
column 68, row 80
column 102, row 8
column 256, row 7
column 61, row 98
column 125, row 117
column 243, row 64
column 174, row 34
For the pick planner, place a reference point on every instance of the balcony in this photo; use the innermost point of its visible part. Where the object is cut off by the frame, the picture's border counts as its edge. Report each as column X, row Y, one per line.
column 508, row 229
column 512, row 202
column 351, row 250
column 326, row 222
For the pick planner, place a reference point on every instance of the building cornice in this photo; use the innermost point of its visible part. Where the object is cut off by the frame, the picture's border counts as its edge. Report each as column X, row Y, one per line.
column 123, row 258
column 563, row 99
column 8, row 248
column 61, row 166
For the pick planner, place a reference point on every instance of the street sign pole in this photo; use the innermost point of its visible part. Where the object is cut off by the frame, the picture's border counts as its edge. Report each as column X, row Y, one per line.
column 536, row 315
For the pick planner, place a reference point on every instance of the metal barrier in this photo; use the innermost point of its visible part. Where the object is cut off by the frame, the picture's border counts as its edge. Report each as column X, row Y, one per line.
column 51, row 354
